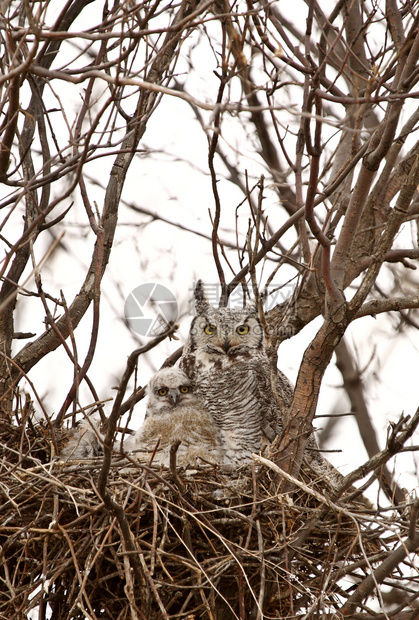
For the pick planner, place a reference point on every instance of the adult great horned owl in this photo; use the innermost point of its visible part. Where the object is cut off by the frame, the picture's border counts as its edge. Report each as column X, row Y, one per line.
column 225, row 358
column 174, row 413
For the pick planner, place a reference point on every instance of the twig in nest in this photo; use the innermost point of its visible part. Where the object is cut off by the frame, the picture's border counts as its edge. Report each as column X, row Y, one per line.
column 153, row 587
column 259, row 604
column 301, row 485
column 173, row 451
column 129, row 587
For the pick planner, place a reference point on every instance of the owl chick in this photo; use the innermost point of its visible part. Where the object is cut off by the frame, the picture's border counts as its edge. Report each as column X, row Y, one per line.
column 174, row 413
column 84, row 441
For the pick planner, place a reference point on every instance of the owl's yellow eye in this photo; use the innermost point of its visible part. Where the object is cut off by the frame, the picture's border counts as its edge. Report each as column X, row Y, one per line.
column 242, row 329
column 210, row 330
column 163, row 391
column 184, row 389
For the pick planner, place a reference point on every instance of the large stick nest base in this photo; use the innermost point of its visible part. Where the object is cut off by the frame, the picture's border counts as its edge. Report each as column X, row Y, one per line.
column 207, row 544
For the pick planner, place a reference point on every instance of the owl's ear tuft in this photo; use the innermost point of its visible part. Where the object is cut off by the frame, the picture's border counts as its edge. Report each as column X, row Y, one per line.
column 252, row 307
column 201, row 302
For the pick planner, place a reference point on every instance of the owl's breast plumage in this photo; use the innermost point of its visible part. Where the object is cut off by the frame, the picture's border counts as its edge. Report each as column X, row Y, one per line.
column 229, row 388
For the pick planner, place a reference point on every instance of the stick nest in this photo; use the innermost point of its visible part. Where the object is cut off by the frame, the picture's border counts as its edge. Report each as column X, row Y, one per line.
column 199, row 544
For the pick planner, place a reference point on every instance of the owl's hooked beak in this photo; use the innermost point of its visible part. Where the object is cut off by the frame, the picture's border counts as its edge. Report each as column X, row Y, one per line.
column 226, row 346
column 173, row 398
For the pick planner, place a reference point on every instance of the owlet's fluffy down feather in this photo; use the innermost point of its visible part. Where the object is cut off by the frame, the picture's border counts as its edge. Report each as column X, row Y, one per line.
column 175, row 413
column 85, row 441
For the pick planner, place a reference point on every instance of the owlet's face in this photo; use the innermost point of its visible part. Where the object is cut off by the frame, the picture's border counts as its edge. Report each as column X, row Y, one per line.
column 168, row 389
column 224, row 331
